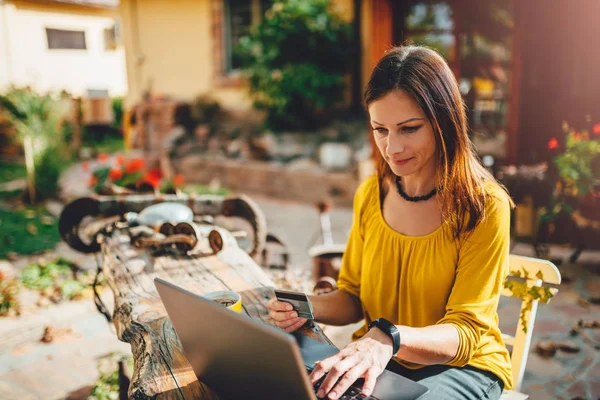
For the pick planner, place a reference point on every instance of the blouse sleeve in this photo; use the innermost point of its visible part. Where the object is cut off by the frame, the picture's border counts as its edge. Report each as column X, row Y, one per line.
column 350, row 272
column 482, row 268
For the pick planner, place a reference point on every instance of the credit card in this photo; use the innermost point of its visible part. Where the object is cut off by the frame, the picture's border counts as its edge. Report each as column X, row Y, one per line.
column 299, row 302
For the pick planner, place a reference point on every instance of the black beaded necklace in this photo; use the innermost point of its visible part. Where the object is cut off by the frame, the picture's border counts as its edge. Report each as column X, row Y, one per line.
column 406, row 197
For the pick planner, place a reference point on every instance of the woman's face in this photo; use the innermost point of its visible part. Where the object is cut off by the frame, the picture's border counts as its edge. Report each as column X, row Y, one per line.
column 403, row 133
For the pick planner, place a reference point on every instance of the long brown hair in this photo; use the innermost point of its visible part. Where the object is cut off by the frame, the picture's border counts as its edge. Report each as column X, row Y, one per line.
column 424, row 75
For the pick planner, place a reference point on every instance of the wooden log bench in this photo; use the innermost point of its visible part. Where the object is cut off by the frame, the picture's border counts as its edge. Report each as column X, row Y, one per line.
column 161, row 371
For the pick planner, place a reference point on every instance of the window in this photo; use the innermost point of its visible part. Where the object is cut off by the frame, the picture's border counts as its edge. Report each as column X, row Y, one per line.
column 112, row 36
column 64, row 39
column 240, row 15
column 432, row 25
column 479, row 52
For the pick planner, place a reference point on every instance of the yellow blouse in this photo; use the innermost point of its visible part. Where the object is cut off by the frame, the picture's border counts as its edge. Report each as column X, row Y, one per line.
column 419, row 281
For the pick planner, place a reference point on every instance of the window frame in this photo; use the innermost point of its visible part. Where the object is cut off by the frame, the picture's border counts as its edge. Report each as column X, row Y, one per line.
column 50, row 47
column 255, row 17
column 113, row 34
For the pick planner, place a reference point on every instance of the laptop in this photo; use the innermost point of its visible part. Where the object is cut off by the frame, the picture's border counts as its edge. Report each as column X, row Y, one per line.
column 243, row 358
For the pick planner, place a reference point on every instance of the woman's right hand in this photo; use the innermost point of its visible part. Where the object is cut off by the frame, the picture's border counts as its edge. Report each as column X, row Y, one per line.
column 284, row 315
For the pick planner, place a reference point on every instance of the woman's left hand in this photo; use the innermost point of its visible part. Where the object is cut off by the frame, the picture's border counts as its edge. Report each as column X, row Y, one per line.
column 366, row 358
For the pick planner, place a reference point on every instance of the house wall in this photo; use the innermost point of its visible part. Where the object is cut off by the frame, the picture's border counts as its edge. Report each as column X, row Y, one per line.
column 170, row 51
column 168, row 47
column 560, row 79
column 25, row 59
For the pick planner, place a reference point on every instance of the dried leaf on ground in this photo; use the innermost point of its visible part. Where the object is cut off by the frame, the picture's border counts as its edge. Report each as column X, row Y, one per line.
column 545, row 349
column 568, row 347
column 592, row 323
column 583, row 302
column 574, row 331
column 52, row 333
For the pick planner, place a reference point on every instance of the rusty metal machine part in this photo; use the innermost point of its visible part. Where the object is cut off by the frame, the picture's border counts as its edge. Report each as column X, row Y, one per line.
column 269, row 256
column 244, row 207
column 215, row 240
column 166, row 229
column 70, row 221
column 206, row 205
column 181, row 242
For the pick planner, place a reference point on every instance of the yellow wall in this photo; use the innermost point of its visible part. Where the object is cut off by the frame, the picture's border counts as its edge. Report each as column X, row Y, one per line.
column 366, row 39
column 169, row 50
column 26, row 60
column 345, row 8
column 168, row 47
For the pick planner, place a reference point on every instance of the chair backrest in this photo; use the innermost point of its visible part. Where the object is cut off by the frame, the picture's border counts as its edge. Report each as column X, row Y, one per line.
column 532, row 280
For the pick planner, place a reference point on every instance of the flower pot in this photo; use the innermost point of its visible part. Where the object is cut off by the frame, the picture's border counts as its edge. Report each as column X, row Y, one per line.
column 335, row 156
column 525, row 218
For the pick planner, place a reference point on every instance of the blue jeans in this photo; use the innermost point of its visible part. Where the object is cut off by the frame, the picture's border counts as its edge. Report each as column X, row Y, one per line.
column 453, row 383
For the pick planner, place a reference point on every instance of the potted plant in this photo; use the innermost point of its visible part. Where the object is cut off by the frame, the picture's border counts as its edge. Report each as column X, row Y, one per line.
column 573, row 216
column 130, row 176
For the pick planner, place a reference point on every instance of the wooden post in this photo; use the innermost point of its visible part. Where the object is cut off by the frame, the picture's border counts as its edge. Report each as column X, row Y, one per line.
column 382, row 40
column 77, row 126
column 512, row 139
column 381, row 29
column 28, row 149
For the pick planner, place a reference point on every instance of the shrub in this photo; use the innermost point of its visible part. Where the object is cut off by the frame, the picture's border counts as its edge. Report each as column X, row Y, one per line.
column 296, row 59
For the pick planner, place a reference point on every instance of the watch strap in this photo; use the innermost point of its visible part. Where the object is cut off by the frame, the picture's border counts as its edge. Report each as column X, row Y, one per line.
column 389, row 329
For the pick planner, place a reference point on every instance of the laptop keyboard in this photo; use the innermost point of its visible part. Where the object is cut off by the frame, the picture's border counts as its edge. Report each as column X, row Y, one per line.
column 353, row 392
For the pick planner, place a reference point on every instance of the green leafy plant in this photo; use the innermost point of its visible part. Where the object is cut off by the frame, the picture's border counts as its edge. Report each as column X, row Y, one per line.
column 117, row 107
column 107, row 387
column 9, row 289
column 578, row 165
column 27, row 231
column 54, row 277
column 527, row 292
column 10, row 172
column 50, row 164
column 296, row 59
column 575, row 163
column 205, row 189
column 37, row 120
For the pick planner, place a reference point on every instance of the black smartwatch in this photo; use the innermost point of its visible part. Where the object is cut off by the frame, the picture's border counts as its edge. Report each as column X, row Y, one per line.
column 389, row 329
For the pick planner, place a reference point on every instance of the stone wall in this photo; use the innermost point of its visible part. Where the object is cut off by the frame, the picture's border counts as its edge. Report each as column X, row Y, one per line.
column 254, row 177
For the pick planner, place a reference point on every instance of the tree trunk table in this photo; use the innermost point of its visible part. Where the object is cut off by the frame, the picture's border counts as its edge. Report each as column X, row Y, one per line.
column 160, row 368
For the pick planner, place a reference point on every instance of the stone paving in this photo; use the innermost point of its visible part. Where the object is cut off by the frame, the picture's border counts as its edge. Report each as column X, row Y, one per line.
column 30, row 369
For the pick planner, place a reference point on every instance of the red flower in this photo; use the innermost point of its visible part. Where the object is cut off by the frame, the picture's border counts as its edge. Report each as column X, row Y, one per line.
column 102, row 157
column 135, row 165
column 577, row 136
column 153, row 177
column 156, row 173
column 585, row 135
column 85, row 166
column 119, row 159
column 596, row 129
column 115, row 174
column 553, row 144
column 178, row 180
column 92, row 181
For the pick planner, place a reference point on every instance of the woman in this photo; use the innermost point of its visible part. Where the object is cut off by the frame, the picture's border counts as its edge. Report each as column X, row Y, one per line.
column 428, row 251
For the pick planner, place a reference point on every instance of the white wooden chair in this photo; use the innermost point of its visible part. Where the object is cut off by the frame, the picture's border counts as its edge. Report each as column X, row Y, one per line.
column 540, row 273
column 527, row 273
